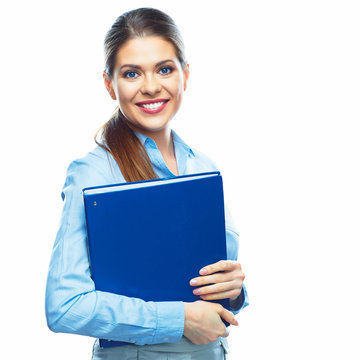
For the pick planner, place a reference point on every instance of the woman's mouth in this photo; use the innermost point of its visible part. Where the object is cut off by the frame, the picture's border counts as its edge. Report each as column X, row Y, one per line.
column 152, row 107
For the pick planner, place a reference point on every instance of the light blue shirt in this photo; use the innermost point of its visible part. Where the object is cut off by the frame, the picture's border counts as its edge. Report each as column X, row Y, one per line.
column 72, row 303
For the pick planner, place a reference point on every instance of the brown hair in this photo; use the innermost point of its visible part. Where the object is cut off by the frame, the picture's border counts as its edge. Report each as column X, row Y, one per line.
column 116, row 135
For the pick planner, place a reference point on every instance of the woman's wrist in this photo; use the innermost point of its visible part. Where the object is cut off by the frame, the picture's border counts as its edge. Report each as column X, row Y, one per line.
column 236, row 303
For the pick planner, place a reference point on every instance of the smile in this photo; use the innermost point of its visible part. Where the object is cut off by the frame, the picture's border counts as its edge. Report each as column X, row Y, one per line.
column 152, row 107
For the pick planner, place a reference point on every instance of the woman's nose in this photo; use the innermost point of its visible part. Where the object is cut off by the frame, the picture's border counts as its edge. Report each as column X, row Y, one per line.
column 150, row 85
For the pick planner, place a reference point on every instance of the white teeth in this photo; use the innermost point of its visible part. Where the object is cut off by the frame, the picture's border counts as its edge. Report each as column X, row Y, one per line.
column 153, row 105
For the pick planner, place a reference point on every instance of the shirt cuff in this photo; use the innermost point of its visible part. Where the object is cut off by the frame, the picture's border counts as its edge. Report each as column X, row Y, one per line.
column 240, row 302
column 170, row 325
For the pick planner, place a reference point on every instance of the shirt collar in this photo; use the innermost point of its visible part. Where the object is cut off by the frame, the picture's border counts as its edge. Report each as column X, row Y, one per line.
column 178, row 142
column 142, row 138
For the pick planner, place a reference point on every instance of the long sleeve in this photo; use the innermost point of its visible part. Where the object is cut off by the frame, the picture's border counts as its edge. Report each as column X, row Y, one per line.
column 232, row 245
column 73, row 305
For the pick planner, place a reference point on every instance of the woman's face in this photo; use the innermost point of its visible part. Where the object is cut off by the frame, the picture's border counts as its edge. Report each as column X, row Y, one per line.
column 148, row 83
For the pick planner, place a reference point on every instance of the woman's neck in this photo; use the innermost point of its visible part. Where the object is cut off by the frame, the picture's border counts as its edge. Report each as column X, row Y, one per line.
column 164, row 142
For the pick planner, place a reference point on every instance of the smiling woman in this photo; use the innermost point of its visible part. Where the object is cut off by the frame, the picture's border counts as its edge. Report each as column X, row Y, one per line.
column 146, row 74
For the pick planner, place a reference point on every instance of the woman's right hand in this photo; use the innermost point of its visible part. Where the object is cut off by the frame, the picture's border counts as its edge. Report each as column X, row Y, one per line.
column 203, row 322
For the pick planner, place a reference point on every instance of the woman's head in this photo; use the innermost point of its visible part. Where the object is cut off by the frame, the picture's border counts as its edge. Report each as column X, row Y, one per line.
column 145, row 62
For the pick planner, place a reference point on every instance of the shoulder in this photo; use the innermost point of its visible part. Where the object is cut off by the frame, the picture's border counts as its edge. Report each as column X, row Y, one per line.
column 97, row 167
column 93, row 160
column 202, row 162
column 197, row 161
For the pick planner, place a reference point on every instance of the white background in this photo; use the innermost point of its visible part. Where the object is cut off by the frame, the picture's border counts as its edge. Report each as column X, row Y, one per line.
column 273, row 98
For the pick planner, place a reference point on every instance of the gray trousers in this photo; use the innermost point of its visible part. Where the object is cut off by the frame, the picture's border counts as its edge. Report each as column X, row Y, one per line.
column 181, row 350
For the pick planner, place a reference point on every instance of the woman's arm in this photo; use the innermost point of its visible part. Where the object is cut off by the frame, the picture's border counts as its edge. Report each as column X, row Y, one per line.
column 224, row 278
column 232, row 243
column 72, row 303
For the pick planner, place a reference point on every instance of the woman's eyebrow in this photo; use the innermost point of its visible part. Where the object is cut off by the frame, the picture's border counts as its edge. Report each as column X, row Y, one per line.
column 139, row 67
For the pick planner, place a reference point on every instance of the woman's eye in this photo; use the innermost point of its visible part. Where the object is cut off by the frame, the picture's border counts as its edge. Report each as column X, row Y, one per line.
column 166, row 70
column 130, row 74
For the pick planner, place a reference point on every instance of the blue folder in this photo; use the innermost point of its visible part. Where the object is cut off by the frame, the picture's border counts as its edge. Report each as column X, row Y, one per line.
column 148, row 239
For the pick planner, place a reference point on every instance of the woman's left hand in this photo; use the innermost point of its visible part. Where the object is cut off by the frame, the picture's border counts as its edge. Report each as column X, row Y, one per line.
column 226, row 279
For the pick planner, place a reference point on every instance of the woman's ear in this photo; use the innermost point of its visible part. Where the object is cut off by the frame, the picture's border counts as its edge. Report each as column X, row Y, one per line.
column 186, row 76
column 109, row 85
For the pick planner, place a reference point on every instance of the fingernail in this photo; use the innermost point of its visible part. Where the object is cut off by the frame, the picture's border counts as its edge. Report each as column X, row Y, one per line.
column 193, row 282
column 196, row 291
column 203, row 272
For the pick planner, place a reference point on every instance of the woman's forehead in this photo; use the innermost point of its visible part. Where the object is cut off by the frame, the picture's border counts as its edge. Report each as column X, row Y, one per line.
column 145, row 50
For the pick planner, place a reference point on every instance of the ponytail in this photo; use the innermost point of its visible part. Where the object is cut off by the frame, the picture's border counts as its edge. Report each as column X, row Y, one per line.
column 123, row 144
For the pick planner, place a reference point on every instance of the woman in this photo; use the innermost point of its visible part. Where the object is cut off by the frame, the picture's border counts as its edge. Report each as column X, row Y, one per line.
column 146, row 73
